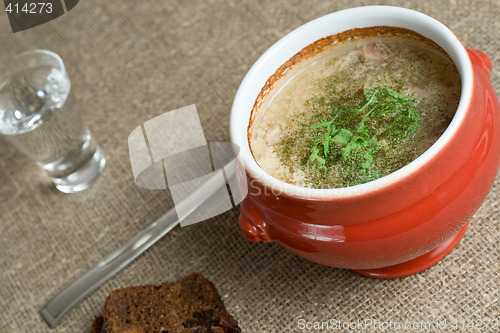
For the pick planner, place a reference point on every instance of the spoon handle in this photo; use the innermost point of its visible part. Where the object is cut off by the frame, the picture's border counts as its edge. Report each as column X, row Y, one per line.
column 84, row 285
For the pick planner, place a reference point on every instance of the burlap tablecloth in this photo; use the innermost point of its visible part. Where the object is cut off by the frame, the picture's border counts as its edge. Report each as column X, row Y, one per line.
column 132, row 60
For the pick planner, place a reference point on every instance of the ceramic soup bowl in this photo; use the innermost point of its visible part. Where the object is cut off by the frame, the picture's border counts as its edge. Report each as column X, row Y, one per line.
column 399, row 224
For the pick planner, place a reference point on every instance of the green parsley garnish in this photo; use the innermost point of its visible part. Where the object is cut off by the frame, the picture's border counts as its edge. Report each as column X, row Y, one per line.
column 355, row 134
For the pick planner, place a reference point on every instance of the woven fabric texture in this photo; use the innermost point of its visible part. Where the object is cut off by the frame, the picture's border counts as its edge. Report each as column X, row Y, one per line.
column 130, row 61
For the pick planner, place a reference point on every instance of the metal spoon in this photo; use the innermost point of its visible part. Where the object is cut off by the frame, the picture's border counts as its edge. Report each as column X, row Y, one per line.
column 81, row 287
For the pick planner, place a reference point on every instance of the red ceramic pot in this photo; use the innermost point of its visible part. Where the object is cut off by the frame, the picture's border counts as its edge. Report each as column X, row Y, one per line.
column 404, row 222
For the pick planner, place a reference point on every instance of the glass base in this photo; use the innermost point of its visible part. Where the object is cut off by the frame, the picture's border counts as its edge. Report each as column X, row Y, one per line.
column 84, row 177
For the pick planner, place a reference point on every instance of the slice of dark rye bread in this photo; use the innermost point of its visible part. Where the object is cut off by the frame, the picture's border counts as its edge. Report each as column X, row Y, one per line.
column 191, row 304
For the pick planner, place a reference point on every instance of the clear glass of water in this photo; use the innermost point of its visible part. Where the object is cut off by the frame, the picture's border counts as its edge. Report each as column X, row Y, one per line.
column 37, row 117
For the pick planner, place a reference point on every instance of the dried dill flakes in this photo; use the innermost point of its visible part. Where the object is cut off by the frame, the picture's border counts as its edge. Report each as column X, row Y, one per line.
column 360, row 140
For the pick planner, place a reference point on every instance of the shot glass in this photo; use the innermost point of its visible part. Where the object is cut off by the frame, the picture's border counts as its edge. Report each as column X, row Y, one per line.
column 38, row 116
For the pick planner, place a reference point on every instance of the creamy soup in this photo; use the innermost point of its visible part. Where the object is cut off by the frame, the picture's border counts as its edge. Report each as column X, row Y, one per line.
column 348, row 110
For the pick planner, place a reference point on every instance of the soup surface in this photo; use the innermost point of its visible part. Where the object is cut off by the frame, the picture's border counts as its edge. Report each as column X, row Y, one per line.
column 355, row 111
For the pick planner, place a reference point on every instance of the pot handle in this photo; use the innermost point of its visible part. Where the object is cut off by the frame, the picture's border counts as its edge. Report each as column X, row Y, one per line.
column 480, row 59
column 252, row 222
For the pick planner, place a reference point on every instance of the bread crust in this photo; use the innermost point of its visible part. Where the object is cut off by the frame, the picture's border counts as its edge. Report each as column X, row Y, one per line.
column 191, row 304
